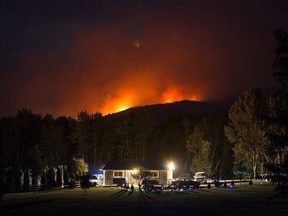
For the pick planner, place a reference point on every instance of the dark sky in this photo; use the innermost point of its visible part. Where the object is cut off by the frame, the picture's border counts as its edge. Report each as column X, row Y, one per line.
column 62, row 57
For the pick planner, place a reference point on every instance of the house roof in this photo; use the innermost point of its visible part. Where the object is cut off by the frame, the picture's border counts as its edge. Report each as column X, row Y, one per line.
column 130, row 165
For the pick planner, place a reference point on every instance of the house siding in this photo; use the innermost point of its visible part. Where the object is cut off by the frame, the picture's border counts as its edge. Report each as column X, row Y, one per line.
column 108, row 177
column 163, row 177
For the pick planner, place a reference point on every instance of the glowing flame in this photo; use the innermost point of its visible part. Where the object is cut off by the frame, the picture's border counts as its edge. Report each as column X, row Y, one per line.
column 117, row 104
column 122, row 108
column 132, row 98
column 171, row 95
column 195, row 98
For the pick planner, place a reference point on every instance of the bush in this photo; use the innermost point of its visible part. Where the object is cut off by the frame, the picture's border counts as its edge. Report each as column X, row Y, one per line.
column 78, row 168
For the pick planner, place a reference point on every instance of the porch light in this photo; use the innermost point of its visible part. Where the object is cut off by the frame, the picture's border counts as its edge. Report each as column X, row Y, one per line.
column 171, row 166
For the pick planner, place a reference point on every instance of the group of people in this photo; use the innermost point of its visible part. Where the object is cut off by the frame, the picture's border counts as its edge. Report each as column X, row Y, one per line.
column 126, row 186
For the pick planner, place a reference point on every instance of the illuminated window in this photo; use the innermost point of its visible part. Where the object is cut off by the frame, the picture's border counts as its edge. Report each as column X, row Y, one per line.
column 117, row 174
column 154, row 174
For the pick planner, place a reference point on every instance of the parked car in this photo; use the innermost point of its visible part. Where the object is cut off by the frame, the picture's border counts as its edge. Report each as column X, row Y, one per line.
column 200, row 177
column 185, row 184
column 94, row 180
column 151, row 185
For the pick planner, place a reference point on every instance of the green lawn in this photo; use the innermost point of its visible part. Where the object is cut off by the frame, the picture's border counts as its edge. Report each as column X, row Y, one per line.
column 245, row 200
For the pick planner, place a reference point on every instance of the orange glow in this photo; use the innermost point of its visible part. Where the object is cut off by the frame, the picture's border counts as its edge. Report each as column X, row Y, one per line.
column 171, row 95
column 116, row 104
column 195, row 98
column 142, row 93
column 141, row 88
column 120, row 104
column 122, row 108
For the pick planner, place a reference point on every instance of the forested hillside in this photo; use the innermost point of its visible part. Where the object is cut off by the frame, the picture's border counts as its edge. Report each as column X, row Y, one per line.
column 32, row 141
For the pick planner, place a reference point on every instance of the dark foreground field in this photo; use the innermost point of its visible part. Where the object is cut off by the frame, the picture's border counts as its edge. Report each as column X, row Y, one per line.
column 245, row 200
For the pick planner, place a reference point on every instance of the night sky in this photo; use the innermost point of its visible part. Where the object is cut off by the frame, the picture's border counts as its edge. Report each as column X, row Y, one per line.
column 63, row 57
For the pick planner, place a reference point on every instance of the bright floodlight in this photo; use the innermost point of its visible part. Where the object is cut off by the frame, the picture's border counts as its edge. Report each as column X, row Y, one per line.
column 135, row 171
column 171, row 166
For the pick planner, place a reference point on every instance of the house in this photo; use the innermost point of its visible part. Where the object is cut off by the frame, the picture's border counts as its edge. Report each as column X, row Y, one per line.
column 120, row 172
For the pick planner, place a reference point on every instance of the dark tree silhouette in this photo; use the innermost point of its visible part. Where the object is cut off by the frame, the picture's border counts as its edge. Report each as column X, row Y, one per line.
column 280, row 118
column 85, row 182
column 51, row 174
column 281, row 61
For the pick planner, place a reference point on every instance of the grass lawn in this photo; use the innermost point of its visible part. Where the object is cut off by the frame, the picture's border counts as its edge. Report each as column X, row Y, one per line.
column 245, row 200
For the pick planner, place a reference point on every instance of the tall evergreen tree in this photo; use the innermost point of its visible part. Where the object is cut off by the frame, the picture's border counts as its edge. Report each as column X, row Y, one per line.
column 86, row 135
column 124, row 132
column 36, row 164
column 143, row 125
column 109, row 141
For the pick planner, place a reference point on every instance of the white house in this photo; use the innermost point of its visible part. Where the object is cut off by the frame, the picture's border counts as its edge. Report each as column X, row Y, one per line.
column 120, row 172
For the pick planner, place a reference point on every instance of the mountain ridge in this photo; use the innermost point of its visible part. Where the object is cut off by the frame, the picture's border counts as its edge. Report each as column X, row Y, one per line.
column 163, row 110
